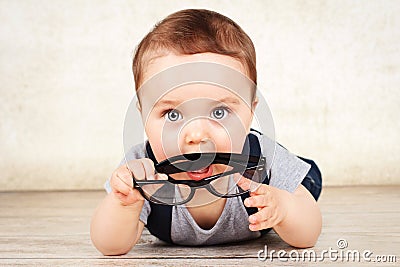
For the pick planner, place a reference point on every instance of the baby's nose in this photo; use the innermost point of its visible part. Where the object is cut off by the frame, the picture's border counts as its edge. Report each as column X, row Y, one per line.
column 196, row 131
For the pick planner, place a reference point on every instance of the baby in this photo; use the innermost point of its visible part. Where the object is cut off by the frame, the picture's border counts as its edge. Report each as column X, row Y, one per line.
column 285, row 202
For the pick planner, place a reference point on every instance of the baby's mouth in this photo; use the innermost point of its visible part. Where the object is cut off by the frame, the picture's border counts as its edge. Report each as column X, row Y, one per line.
column 201, row 174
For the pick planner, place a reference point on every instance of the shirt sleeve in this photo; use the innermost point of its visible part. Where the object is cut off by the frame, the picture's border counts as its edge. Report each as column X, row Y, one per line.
column 287, row 170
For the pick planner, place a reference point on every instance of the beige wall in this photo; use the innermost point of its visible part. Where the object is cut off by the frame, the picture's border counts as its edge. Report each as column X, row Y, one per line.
column 329, row 69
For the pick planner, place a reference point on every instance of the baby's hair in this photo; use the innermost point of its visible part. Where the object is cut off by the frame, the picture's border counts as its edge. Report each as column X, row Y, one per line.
column 193, row 31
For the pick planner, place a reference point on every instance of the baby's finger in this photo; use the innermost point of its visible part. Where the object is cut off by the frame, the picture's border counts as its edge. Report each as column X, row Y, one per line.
column 262, row 225
column 263, row 219
column 137, row 169
column 125, row 175
column 132, row 197
column 148, row 166
column 260, row 216
column 258, row 201
column 160, row 176
column 262, row 189
column 247, row 184
column 119, row 186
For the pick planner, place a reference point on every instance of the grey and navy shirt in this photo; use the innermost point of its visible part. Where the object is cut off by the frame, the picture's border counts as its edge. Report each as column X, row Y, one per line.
column 287, row 172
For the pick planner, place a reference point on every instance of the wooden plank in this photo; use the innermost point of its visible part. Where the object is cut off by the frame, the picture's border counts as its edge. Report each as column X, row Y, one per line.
column 378, row 223
column 79, row 246
column 52, row 228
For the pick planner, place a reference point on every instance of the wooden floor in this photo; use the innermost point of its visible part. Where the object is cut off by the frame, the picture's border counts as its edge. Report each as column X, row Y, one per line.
column 52, row 229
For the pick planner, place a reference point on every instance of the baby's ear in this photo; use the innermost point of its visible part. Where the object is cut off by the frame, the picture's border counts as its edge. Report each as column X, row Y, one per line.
column 255, row 103
column 138, row 106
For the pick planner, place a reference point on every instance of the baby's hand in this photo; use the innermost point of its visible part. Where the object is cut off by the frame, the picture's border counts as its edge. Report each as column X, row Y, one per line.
column 270, row 201
column 122, row 180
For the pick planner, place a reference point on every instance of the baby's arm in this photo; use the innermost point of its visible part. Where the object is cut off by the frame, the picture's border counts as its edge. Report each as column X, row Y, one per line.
column 295, row 217
column 302, row 224
column 115, row 226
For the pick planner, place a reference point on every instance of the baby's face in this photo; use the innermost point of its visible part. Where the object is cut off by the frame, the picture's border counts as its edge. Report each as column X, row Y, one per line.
column 197, row 117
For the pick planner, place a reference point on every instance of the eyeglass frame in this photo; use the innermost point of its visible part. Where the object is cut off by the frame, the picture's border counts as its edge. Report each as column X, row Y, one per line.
column 220, row 158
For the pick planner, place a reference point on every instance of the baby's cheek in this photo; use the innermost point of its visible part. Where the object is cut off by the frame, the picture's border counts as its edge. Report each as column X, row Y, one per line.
column 225, row 145
column 155, row 139
column 230, row 143
column 232, row 138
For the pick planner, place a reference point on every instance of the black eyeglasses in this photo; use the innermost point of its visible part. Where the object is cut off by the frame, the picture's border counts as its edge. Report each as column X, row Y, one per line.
column 177, row 192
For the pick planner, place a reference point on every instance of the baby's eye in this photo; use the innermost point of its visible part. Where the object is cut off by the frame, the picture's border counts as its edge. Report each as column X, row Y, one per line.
column 173, row 115
column 219, row 113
